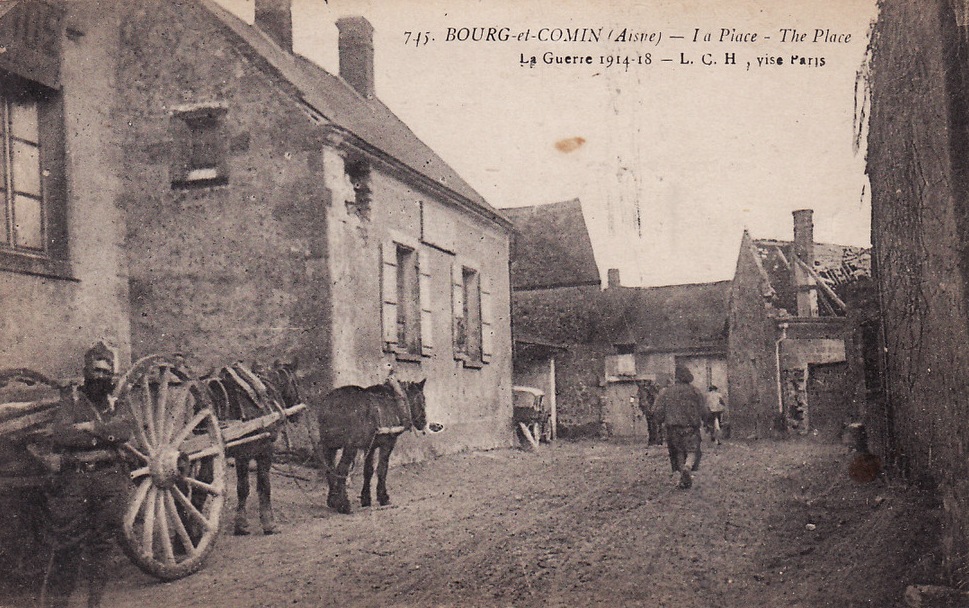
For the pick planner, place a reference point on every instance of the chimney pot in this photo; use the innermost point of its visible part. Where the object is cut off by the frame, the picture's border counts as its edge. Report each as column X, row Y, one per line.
column 613, row 278
column 275, row 19
column 356, row 54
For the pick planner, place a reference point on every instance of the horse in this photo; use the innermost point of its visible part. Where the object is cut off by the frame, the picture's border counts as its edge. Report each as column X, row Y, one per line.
column 242, row 393
column 353, row 418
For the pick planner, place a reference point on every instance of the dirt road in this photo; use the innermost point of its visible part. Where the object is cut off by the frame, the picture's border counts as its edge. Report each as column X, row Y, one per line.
column 579, row 524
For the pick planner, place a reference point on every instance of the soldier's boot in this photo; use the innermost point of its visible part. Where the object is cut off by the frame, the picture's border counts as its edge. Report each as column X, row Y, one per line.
column 267, row 520
column 241, row 523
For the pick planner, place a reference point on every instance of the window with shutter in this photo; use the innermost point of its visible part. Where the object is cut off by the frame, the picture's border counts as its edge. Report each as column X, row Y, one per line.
column 473, row 335
column 405, row 301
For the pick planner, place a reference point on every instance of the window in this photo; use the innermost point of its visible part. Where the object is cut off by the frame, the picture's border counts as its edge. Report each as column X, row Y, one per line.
column 200, row 150
column 33, row 218
column 473, row 336
column 406, row 299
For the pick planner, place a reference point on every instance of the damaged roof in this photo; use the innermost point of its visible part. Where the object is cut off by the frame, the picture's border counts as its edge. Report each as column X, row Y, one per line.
column 340, row 104
column 552, row 247
column 839, row 266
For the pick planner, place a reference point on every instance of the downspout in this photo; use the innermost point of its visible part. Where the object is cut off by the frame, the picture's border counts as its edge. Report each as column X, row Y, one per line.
column 777, row 364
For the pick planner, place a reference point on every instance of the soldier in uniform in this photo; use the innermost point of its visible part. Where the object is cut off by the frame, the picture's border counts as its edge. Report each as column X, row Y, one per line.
column 89, row 494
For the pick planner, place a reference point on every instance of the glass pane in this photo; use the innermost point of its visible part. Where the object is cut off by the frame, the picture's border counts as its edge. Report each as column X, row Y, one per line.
column 23, row 120
column 28, row 223
column 26, row 168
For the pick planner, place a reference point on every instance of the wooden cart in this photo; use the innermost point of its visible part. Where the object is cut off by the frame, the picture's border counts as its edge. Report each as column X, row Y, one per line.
column 174, row 513
column 531, row 415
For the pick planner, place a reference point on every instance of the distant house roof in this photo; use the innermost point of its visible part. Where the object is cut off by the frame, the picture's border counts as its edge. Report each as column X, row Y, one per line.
column 839, row 266
column 341, row 105
column 672, row 318
column 552, row 247
column 676, row 318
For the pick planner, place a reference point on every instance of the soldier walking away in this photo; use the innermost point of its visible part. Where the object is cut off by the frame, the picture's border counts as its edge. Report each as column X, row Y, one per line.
column 682, row 410
column 88, row 497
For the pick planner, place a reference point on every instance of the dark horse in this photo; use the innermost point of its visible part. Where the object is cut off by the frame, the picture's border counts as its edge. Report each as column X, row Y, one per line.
column 354, row 418
column 241, row 393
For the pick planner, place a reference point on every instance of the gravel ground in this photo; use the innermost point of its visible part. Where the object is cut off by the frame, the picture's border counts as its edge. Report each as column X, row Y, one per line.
column 585, row 523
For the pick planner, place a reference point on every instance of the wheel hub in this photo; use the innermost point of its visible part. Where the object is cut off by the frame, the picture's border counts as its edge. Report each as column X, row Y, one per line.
column 169, row 466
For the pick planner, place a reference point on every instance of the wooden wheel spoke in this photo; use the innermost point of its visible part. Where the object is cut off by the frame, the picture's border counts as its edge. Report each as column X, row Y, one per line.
column 191, row 510
column 134, row 507
column 136, row 452
column 205, row 487
column 210, row 451
column 161, row 406
column 177, row 412
column 191, row 426
column 141, row 472
column 148, row 410
column 166, row 540
column 177, row 523
column 148, row 531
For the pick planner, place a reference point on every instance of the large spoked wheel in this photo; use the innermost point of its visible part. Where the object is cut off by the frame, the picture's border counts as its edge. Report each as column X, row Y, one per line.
column 175, row 511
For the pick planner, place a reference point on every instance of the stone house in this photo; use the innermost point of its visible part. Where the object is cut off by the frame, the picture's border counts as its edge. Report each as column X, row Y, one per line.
column 654, row 329
column 200, row 188
column 919, row 175
column 795, row 351
column 555, row 282
column 611, row 337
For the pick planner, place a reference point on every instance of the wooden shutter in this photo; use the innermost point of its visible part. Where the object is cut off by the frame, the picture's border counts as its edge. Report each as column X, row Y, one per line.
column 388, row 294
column 487, row 319
column 427, row 318
column 457, row 308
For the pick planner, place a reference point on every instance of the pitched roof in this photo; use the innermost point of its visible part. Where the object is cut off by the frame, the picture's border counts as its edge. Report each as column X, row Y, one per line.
column 340, row 104
column 552, row 247
column 670, row 318
column 684, row 318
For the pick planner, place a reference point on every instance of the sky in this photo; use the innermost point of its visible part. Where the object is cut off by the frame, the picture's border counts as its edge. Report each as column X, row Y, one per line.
column 671, row 160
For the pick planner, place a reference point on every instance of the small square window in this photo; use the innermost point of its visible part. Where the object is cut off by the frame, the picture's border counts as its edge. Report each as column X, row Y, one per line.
column 200, row 148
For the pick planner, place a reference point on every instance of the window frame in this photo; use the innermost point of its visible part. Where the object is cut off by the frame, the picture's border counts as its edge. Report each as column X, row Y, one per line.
column 53, row 259
column 483, row 326
column 196, row 129
column 416, row 313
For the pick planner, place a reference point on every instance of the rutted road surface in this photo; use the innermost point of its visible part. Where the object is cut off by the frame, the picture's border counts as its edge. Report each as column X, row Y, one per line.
column 577, row 524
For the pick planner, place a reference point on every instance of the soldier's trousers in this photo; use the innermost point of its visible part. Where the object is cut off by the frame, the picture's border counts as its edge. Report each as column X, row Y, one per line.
column 86, row 509
column 681, row 441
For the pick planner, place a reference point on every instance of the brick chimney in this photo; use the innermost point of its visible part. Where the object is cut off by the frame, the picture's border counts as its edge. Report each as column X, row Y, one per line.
column 356, row 54
column 275, row 19
column 804, row 235
column 806, row 285
column 612, row 279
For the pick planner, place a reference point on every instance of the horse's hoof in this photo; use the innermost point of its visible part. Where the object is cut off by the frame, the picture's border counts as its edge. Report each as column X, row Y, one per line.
column 270, row 531
column 383, row 500
column 364, row 501
column 343, row 506
column 686, row 480
column 241, row 531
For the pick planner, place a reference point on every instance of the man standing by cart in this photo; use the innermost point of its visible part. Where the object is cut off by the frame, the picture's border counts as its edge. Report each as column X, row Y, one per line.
column 87, row 500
